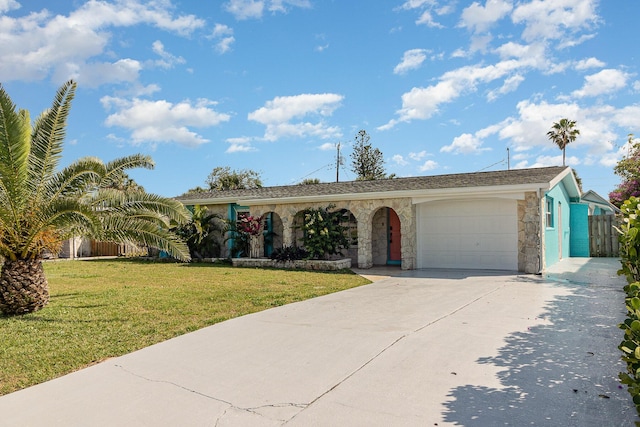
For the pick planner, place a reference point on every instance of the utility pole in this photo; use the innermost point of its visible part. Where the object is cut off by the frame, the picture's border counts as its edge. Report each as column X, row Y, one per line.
column 338, row 163
column 508, row 160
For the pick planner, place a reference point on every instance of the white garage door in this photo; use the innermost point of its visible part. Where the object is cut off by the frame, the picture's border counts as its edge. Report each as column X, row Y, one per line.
column 478, row 234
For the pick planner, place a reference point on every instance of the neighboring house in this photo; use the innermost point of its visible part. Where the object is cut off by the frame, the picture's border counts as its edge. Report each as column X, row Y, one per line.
column 593, row 236
column 598, row 205
column 504, row 220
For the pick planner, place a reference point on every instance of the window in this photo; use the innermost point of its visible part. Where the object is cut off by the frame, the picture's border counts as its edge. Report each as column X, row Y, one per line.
column 549, row 211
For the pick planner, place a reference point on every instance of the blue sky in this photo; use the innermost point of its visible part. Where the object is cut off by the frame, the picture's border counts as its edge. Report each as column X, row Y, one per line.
column 273, row 85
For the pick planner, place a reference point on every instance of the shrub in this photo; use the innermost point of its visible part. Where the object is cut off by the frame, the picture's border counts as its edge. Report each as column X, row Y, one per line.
column 630, row 259
column 289, row 253
column 324, row 233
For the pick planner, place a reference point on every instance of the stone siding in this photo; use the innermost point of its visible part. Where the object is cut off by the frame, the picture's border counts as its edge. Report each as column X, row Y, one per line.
column 311, row 264
column 363, row 211
column 529, row 234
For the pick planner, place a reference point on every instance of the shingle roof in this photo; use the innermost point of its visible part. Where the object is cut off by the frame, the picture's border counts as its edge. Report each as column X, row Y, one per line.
column 476, row 179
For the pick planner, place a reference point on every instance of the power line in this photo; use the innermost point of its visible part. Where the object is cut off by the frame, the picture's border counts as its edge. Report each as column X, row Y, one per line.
column 490, row 166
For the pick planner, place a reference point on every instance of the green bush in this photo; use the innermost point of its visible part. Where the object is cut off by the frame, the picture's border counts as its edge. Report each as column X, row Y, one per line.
column 630, row 259
column 289, row 253
column 324, row 233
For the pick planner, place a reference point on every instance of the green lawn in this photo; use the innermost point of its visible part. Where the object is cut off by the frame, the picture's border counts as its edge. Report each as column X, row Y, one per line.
column 106, row 308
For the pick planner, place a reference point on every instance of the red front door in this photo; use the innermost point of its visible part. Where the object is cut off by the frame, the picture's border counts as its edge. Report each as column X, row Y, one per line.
column 395, row 248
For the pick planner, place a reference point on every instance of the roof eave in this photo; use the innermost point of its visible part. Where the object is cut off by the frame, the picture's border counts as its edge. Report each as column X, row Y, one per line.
column 439, row 193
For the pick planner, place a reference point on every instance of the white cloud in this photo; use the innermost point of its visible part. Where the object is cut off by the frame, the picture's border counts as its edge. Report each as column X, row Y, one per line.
column 39, row 45
column 254, row 9
column 421, row 103
column 636, row 85
column 464, row 144
column 585, row 64
column 399, row 160
column 167, row 59
column 240, row 145
column 278, row 114
column 7, row 5
column 162, row 121
column 327, row 146
column 510, row 85
column 603, row 82
column 223, row 36
column 411, row 60
column 98, row 73
column 418, row 156
column 427, row 19
column 426, row 8
column 554, row 19
column 543, row 161
column 479, row 19
column 428, row 165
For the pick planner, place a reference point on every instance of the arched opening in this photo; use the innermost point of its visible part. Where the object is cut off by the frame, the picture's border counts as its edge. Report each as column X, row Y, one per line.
column 273, row 233
column 347, row 220
column 386, row 237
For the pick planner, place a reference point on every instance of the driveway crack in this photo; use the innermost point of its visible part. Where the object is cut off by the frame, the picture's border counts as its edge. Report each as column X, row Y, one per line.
column 253, row 410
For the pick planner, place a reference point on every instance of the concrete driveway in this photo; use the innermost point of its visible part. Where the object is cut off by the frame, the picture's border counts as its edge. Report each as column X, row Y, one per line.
column 419, row 348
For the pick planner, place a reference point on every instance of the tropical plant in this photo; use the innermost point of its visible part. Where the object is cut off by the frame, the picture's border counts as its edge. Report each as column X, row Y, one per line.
column 203, row 234
column 562, row 133
column 241, row 233
column 324, row 234
column 630, row 260
column 41, row 206
column 289, row 253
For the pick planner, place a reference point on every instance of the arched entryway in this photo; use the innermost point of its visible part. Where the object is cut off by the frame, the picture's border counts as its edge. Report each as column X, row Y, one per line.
column 273, row 233
column 386, row 237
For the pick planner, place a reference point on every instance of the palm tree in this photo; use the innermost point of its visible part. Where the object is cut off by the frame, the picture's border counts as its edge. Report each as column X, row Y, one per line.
column 562, row 133
column 41, row 206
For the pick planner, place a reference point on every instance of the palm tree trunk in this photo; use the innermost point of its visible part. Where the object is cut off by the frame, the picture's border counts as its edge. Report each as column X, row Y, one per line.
column 23, row 287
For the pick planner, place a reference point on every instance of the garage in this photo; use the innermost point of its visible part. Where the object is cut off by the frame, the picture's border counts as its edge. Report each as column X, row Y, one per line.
column 471, row 234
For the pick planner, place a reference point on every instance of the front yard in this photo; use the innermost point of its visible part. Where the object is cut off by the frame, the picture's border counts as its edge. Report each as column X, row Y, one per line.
column 107, row 308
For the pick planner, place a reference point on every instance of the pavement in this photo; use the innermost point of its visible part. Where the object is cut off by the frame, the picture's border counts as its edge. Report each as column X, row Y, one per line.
column 414, row 348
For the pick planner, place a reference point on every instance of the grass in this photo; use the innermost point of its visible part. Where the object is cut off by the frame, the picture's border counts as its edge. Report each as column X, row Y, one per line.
column 106, row 308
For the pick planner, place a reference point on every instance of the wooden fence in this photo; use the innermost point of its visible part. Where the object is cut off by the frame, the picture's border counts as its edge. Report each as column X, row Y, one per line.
column 603, row 237
column 114, row 249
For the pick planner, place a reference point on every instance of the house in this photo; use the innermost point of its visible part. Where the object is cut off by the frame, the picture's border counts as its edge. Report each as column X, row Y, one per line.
column 597, row 204
column 514, row 220
column 592, row 227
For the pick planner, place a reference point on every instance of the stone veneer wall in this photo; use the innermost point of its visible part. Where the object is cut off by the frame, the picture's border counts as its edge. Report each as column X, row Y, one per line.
column 311, row 264
column 364, row 211
column 529, row 234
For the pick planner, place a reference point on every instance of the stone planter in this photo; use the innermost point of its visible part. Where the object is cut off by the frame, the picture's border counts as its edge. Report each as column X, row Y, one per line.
column 312, row 264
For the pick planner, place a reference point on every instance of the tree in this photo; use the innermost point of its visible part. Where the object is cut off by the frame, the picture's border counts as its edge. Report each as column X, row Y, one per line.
column 203, row 234
column 223, row 178
column 310, row 181
column 366, row 162
column 562, row 133
column 628, row 168
column 41, row 206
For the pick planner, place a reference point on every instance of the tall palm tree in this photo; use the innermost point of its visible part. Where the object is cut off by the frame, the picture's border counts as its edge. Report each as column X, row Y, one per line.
column 562, row 133
column 41, row 206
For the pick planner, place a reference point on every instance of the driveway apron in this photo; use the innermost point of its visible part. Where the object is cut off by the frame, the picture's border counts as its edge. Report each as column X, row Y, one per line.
column 416, row 348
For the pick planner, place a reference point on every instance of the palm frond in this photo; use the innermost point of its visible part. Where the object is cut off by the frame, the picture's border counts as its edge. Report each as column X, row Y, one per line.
column 15, row 129
column 139, row 202
column 116, row 168
column 47, row 138
column 120, row 229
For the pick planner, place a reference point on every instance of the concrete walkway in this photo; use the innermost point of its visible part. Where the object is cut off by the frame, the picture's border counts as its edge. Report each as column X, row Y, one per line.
column 417, row 348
